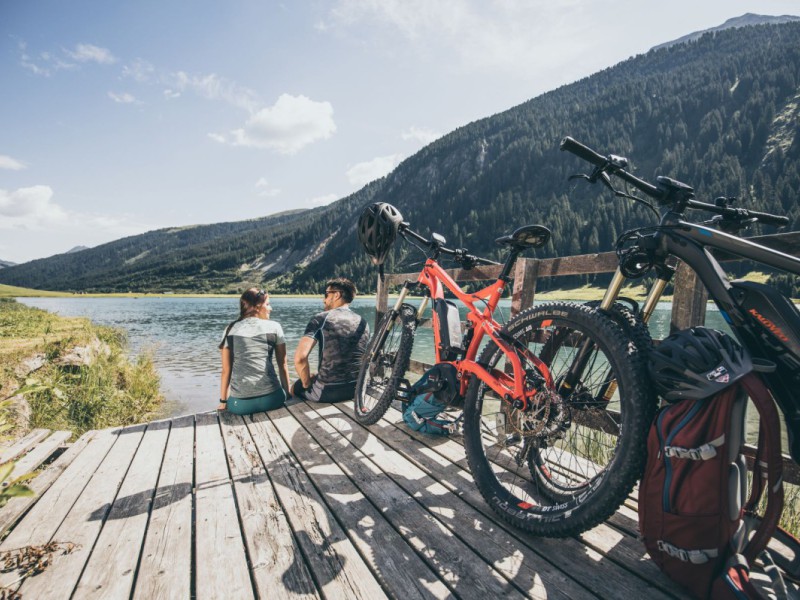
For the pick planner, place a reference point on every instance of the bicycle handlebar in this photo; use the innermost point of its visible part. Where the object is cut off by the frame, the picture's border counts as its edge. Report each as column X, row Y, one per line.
column 740, row 214
column 460, row 255
column 612, row 165
column 662, row 192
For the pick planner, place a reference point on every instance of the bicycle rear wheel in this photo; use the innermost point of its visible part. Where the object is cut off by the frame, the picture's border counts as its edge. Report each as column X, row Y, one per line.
column 568, row 462
column 384, row 365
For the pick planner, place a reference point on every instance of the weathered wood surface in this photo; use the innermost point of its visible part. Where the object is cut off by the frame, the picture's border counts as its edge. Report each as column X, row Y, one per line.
column 301, row 502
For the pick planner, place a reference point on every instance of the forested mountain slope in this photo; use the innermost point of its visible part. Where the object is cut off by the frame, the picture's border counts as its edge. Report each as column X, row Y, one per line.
column 720, row 113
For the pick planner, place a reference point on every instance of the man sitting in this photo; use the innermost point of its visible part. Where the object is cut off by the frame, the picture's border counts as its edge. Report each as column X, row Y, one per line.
column 342, row 336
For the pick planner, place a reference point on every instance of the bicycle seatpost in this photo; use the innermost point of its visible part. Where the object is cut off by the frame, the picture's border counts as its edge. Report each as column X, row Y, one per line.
column 513, row 254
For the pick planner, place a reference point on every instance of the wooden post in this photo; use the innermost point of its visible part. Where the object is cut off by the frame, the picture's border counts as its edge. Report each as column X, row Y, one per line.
column 688, row 300
column 525, row 274
column 381, row 300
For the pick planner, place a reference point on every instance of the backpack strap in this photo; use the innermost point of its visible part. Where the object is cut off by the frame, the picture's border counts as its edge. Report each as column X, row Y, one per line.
column 767, row 469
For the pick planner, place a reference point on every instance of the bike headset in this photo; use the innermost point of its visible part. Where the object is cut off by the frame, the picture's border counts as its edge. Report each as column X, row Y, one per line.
column 377, row 230
column 697, row 363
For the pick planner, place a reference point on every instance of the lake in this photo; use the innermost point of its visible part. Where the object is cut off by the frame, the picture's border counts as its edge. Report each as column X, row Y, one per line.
column 183, row 335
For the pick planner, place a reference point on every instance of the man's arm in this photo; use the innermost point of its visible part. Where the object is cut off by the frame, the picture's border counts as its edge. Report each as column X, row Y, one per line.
column 301, row 366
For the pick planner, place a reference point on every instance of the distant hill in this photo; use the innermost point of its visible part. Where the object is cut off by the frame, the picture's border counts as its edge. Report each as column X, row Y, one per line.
column 743, row 21
column 719, row 112
column 76, row 249
column 5, row 263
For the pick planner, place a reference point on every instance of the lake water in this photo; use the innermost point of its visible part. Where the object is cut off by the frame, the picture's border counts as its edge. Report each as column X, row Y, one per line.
column 183, row 335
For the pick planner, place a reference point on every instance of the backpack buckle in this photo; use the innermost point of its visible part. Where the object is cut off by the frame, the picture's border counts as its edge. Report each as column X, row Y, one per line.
column 696, row 557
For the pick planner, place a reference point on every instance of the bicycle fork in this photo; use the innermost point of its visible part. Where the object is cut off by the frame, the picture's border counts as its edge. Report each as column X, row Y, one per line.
column 611, row 295
column 394, row 313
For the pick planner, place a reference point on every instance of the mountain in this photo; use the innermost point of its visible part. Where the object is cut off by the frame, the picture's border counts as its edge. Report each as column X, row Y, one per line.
column 5, row 263
column 76, row 249
column 743, row 21
column 719, row 112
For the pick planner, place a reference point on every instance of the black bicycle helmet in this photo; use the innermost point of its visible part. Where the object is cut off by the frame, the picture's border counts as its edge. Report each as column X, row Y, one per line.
column 696, row 363
column 377, row 230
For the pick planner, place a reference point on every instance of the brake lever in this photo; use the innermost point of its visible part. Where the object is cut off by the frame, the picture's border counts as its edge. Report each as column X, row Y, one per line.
column 580, row 176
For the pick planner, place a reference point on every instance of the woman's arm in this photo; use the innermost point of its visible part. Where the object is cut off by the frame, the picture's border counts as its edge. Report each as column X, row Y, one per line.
column 283, row 367
column 225, row 379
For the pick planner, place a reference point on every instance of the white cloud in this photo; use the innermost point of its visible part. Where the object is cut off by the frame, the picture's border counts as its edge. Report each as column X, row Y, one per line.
column 12, row 164
column 364, row 172
column 170, row 94
column 90, row 53
column 512, row 35
column 32, row 209
column 139, row 70
column 265, row 190
column 292, row 123
column 47, row 63
column 123, row 98
column 29, row 207
column 420, row 134
column 213, row 87
column 323, row 200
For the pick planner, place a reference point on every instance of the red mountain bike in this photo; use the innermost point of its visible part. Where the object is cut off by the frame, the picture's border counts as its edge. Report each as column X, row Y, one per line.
column 551, row 405
column 389, row 352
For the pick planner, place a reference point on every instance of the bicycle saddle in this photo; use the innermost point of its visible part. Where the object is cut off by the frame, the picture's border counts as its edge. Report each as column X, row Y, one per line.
column 529, row 236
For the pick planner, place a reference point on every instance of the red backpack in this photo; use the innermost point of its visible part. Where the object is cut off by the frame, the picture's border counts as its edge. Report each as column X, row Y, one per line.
column 694, row 511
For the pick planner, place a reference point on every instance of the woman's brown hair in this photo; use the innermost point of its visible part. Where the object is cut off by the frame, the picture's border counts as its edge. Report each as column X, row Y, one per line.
column 249, row 303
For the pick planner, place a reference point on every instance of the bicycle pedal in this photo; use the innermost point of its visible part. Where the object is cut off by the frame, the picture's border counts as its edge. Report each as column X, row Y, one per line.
column 404, row 391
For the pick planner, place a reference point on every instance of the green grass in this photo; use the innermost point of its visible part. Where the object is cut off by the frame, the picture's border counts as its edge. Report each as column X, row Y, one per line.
column 111, row 391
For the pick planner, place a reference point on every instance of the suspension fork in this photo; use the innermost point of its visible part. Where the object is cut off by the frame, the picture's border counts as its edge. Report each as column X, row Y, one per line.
column 578, row 365
column 393, row 314
column 664, row 276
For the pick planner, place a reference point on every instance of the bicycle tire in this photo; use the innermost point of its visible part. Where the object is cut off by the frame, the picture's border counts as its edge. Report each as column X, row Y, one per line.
column 637, row 332
column 573, row 476
column 379, row 378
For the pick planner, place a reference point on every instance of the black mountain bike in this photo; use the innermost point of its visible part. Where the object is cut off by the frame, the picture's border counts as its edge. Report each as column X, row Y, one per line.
column 580, row 452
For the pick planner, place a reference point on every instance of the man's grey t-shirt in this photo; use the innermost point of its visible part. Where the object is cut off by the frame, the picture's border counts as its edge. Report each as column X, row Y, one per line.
column 342, row 336
column 252, row 342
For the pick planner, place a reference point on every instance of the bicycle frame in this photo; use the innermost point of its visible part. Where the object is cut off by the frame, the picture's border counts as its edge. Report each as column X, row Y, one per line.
column 510, row 387
column 765, row 339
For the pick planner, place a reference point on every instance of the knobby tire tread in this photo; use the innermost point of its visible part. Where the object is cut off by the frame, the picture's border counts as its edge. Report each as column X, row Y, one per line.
column 400, row 367
column 628, row 462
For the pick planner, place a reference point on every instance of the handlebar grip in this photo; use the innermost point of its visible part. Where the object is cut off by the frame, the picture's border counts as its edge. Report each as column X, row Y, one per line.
column 768, row 219
column 581, row 151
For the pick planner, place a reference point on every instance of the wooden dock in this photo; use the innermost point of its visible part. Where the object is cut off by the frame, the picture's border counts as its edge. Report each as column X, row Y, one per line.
column 299, row 502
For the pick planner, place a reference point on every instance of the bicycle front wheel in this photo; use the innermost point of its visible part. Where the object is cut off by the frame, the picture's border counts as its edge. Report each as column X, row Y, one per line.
column 384, row 365
column 568, row 461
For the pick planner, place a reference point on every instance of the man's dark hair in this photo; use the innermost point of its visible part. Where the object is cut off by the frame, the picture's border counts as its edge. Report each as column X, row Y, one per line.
column 345, row 286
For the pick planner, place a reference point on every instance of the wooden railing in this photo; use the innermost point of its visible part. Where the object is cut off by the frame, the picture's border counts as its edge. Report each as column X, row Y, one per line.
column 689, row 297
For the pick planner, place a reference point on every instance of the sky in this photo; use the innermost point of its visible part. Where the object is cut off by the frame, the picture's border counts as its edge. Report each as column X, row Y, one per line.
column 118, row 118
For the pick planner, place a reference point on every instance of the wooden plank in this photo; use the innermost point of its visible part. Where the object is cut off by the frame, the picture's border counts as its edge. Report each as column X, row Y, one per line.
column 403, row 573
column 85, row 519
column 40, row 453
column 332, row 558
column 44, row 518
column 278, row 567
column 111, row 567
column 445, row 461
column 450, row 535
column 23, row 445
column 166, row 563
column 42, row 482
column 381, row 301
column 220, row 562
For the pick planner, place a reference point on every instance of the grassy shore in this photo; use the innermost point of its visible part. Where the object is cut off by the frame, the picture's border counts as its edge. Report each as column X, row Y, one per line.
column 67, row 394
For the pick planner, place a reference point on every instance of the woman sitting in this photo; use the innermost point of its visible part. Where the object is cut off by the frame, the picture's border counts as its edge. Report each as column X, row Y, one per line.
column 249, row 383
